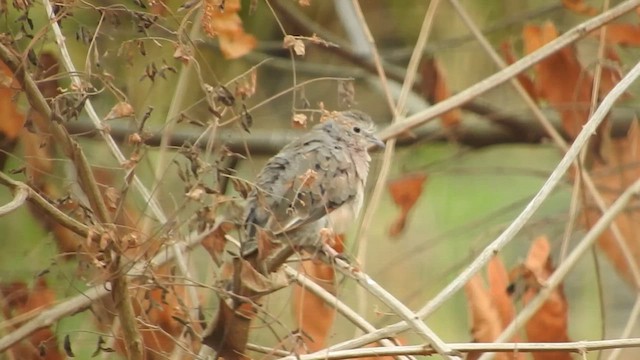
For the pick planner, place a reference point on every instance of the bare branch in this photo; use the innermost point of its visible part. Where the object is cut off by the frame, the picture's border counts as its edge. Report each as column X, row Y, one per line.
column 19, row 199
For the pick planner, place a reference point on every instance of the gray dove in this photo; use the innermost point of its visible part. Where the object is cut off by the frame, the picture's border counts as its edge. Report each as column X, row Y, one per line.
column 317, row 181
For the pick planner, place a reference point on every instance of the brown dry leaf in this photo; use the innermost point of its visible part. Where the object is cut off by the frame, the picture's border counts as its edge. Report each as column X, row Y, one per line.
column 225, row 24
column 313, row 316
column 523, row 78
column 11, row 118
column 48, row 68
column 622, row 34
column 498, row 284
column 158, row 7
column 215, row 242
column 405, row 192
column 435, row 89
column 183, row 53
column 246, row 87
column 560, row 78
column 485, row 320
column 550, row 322
column 579, row 7
column 291, row 42
column 299, row 121
column 491, row 309
column 296, row 44
column 612, row 179
column 230, row 331
column 18, row 300
column 120, row 110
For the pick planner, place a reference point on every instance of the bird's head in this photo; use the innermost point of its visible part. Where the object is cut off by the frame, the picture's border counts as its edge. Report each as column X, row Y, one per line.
column 355, row 127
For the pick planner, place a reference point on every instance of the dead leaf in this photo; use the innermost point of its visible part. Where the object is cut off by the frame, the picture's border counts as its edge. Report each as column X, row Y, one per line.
column 405, row 192
column 580, row 7
column 215, row 242
column 183, row 53
column 485, row 320
column 120, row 110
column 299, row 121
column 158, row 7
column 550, row 322
column 611, row 179
column 224, row 23
column 246, row 87
column 435, row 89
column 313, row 316
column 498, row 278
column 523, row 78
column 490, row 309
column 622, row 34
column 560, row 79
column 291, row 42
column 11, row 118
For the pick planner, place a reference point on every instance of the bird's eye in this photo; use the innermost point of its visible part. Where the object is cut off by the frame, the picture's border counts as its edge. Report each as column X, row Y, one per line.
column 356, row 129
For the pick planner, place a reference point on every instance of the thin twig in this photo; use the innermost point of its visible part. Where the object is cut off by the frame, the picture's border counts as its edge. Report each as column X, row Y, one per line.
column 19, row 198
column 44, row 205
column 573, row 347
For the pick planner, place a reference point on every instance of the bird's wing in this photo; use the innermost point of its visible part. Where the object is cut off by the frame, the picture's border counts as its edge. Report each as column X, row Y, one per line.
column 307, row 180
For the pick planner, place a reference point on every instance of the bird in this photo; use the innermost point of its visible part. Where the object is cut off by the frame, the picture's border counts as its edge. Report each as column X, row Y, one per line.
column 315, row 182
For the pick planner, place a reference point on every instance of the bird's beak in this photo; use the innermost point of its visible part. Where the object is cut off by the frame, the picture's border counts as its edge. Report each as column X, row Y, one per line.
column 377, row 142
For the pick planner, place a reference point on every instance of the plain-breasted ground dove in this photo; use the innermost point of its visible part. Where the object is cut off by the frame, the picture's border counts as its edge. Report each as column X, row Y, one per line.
column 316, row 181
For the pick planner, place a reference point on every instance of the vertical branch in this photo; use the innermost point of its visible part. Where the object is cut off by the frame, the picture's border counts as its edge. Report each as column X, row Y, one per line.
column 122, row 299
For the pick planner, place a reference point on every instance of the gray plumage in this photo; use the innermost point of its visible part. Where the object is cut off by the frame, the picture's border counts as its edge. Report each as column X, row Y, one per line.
column 314, row 182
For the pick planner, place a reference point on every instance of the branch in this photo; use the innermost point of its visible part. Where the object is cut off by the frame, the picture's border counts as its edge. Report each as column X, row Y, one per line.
column 579, row 347
column 266, row 142
column 52, row 211
column 21, row 195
